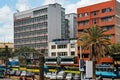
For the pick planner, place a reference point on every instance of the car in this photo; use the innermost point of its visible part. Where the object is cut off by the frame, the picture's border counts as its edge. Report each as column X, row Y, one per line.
column 48, row 75
column 76, row 77
column 12, row 73
column 23, row 73
column 18, row 73
column 69, row 76
column 29, row 74
column 53, row 76
column 61, row 75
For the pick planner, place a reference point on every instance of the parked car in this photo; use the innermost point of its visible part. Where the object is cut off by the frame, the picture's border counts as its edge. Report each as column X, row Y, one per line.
column 61, row 75
column 29, row 74
column 48, row 75
column 53, row 76
column 23, row 73
column 18, row 73
column 69, row 76
column 12, row 73
column 76, row 77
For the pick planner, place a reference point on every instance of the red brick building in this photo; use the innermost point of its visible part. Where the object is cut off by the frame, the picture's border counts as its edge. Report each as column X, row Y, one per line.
column 106, row 15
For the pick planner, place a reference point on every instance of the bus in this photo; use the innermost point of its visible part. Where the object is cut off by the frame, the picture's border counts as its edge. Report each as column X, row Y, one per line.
column 68, row 60
column 34, row 69
column 106, row 72
column 13, row 64
column 2, row 71
column 50, row 60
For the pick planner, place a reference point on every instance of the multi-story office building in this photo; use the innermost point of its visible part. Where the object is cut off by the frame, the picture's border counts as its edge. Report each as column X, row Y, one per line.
column 62, row 47
column 36, row 27
column 71, row 25
column 106, row 15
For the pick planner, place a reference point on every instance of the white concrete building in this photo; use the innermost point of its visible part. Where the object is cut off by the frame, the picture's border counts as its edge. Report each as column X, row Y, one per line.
column 66, row 47
column 36, row 27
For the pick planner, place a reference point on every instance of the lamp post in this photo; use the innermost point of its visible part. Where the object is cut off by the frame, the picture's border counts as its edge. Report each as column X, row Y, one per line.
column 81, row 62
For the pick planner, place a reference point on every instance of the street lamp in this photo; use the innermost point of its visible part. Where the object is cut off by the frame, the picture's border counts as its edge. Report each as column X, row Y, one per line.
column 81, row 62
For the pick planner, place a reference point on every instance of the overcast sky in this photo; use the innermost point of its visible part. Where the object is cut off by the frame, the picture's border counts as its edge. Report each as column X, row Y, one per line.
column 8, row 7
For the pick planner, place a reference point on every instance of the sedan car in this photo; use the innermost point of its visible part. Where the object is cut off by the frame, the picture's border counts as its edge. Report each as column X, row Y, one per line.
column 53, row 76
column 12, row 73
column 76, row 77
column 18, row 73
column 29, row 74
column 69, row 76
column 23, row 73
column 48, row 75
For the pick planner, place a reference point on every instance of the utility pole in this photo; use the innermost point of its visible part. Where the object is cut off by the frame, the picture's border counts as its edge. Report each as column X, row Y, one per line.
column 41, row 65
column 6, row 62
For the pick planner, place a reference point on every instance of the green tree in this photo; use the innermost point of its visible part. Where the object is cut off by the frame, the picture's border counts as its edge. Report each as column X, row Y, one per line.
column 4, row 54
column 96, row 41
column 115, row 48
column 23, row 53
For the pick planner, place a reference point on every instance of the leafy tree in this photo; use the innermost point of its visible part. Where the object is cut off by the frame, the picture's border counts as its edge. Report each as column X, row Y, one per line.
column 96, row 41
column 115, row 48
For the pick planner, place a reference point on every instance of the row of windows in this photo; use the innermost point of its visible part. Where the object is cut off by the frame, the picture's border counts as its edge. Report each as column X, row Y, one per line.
column 104, row 28
column 62, row 53
column 31, row 27
column 62, row 46
column 30, row 20
column 94, row 13
column 32, row 39
column 40, row 11
column 96, row 20
column 38, row 45
column 31, row 33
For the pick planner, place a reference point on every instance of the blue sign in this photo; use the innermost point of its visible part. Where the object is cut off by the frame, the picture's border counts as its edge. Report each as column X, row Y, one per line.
column 81, row 65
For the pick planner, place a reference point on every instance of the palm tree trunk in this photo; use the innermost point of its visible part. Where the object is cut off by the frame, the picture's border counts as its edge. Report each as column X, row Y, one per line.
column 94, row 59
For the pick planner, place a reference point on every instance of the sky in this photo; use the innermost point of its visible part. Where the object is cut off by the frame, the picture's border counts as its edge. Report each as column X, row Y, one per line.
column 9, row 7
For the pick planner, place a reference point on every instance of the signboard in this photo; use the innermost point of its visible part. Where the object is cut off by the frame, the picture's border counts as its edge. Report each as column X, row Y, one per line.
column 62, row 42
column 58, row 60
column 89, row 69
column 81, row 65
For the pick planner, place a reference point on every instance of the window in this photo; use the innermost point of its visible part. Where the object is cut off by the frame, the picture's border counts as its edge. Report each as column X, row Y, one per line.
column 53, row 47
column 72, row 45
column 79, row 15
column 72, row 53
column 105, row 19
column 61, row 46
column 94, row 21
column 86, row 14
column 104, row 10
column 62, row 53
column 53, row 54
column 109, row 9
column 94, row 13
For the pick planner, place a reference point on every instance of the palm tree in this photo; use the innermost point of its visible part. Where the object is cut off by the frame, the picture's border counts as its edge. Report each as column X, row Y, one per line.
column 96, row 41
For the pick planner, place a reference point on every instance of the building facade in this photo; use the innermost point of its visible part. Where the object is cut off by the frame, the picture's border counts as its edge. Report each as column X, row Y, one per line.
column 106, row 15
column 10, row 45
column 71, row 25
column 36, row 27
column 63, row 48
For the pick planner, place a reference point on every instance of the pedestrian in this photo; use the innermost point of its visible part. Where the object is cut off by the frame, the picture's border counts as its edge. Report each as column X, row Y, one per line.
column 33, row 77
column 21, row 78
column 100, row 77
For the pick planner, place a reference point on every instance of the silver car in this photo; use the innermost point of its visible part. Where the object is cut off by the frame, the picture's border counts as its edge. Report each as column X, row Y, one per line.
column 53, row 76
column 61, row 75
column 69, row 76
column 76, row 77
